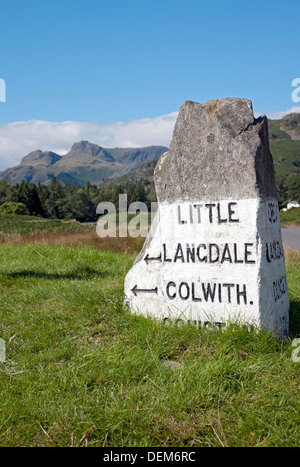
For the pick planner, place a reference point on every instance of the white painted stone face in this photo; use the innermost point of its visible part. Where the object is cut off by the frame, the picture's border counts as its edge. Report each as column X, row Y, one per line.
column 213, row 262
column 214, row 252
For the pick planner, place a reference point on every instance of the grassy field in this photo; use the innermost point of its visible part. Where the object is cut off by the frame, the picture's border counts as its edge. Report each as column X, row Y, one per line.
column 80, row 370
column 290, row 217
column 11, row 225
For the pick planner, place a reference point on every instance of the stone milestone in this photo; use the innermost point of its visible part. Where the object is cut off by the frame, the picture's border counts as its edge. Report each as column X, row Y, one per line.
column 214, row 252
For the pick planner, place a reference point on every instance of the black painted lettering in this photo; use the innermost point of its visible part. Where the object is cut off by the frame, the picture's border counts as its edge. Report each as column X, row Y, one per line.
column 179, row 320
column 185, row 286
column 190, row 253
column 220, row 292
column 272, row 212
column 231, row 213
column 241, row 294
column 279, row 288
column 228, row 291
column 180, row 221
column 179, row 254
column 279, row 250
column 194, row 298
column 171, row 284
column 204, row 259
column 220, row 325
column 209, row 292
column 195, row 322
column 226, row 256
column 166, row 260
column 220, row 221
column 191, row 214
column 268, row 252
column 217, row 253
column 274, row 250
column 198, row 206
column 210, row 206
column 248, row 253
column 236, row 260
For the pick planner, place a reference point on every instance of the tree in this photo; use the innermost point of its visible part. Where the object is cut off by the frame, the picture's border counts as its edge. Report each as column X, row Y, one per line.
column 81, row 207
column 10, row 207
column 281, row 190
column 293, row 187
column 55, row 196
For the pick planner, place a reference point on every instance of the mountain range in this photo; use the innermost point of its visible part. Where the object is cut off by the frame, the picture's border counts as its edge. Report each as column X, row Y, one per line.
column 87, row 161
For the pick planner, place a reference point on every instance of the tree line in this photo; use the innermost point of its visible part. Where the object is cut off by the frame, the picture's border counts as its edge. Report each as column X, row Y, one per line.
column 58, row 201
column 288, row 188
column 66, row 201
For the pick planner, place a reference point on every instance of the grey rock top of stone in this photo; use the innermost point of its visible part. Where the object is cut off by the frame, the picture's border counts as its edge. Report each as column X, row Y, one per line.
column 218, row 151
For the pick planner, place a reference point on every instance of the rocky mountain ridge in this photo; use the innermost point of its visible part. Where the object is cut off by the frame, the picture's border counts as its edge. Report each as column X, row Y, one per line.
column 88, row 161
column 85, row 161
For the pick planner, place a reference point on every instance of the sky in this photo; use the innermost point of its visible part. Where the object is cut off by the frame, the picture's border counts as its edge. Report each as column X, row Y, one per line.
column 116, row 73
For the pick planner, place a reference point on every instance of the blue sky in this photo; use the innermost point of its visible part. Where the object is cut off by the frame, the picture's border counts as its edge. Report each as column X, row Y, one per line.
column 123, row 61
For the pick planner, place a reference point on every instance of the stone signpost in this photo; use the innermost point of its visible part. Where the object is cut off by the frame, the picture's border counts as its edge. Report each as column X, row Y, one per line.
column 214, row 252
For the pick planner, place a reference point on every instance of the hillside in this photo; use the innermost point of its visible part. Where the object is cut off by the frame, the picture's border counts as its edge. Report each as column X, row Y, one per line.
column 284, row 137
column 285, row 144
column 85, row 161
column 145, row 174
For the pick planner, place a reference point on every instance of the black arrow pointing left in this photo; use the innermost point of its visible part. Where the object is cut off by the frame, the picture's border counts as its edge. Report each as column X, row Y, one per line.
column 135, row 290
column 148, row 258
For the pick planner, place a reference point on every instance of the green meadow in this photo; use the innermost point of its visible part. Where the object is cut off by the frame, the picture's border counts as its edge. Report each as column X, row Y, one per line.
column 290, row 217
column 80, row 370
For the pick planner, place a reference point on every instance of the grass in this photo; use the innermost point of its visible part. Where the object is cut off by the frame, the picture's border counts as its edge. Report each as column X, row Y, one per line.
column 81, row 370
column 290, row 217
column 23, row 230
column 13, row 225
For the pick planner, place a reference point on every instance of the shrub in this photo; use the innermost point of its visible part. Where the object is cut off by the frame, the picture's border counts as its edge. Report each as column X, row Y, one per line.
column 11, row 207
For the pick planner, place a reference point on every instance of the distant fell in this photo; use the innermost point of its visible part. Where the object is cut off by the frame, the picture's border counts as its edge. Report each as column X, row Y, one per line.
column 85, row 161
column 40, row 158
column 88, row 161
column 284, row 137
column 290, row 124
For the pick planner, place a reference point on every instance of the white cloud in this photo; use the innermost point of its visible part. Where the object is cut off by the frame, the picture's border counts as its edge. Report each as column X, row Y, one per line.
column 280, row 114
column 17, row 139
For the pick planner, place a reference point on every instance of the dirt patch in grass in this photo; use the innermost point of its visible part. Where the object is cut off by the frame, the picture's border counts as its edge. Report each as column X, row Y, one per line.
column 292, row 257
column 77, row 239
